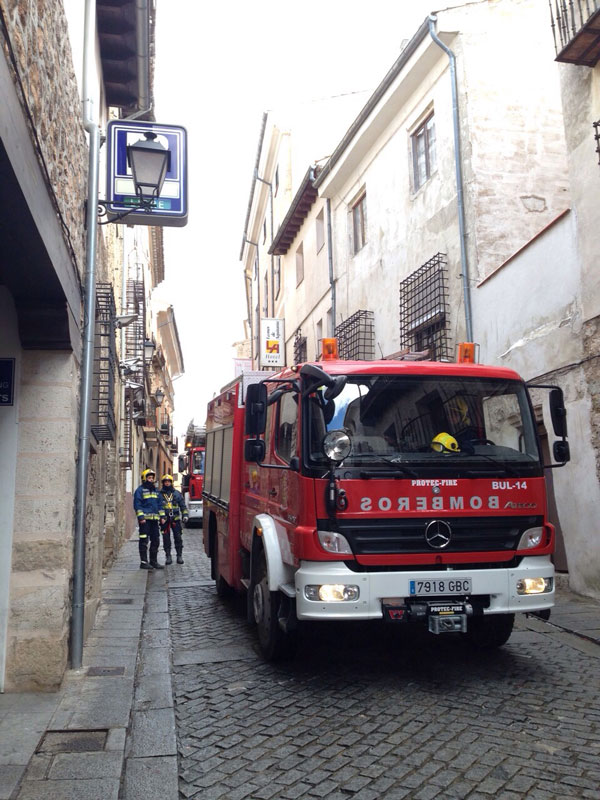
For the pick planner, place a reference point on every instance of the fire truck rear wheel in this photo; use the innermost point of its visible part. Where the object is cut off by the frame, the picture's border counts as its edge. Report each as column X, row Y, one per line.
column 274, row 643
column 490, row 632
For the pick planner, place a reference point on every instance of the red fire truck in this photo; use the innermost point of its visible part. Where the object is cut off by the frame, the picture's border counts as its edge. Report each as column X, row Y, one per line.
column 191, row 467
column 411, row 491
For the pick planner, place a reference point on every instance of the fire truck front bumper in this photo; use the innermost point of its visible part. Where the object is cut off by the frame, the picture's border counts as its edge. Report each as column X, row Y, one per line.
column 331, row 591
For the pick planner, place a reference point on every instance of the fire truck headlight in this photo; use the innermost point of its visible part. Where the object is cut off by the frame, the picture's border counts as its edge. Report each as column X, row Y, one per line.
column 332, row 593
column 534, row 585
column 531, row 538
column 334, row 542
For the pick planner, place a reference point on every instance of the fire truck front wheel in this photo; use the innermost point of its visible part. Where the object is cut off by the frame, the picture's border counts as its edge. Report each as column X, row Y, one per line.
column 490, row 631
column 274, row 642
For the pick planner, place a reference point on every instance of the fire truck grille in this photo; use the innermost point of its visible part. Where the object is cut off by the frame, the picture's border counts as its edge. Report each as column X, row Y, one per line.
column 478, row 534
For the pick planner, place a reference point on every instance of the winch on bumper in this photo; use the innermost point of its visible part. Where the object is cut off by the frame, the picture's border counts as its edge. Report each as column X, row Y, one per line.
column 443, row 600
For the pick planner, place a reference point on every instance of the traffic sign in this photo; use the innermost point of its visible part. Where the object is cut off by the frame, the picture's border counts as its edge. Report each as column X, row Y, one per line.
column 171, row 207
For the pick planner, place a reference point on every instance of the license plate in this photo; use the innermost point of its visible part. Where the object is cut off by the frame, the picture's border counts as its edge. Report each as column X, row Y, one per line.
column 441, row 586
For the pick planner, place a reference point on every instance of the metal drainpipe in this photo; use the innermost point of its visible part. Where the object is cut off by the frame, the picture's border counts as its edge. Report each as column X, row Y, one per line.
column 432, row 19
column 330, row 260
column 87, row 361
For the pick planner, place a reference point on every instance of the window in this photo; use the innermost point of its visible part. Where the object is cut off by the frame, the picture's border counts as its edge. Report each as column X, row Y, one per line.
column 423, row 152
column 265, row 303
column 276, row 277
column 318, row 347
column 424, row 319
column 330, row 322
column 287, row 427
column 299, row 264
column 320, row 226
column 276, row 180
column 359, row 223
column 300, row 349
column 264, row 231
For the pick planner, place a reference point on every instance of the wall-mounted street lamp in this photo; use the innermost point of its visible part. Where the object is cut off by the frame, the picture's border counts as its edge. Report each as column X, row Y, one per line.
column 149, row 348
column 149, row 162
column 123, row 320
column 159, row 396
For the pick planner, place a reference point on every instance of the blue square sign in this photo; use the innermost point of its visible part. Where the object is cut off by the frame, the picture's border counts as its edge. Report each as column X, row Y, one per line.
column 171, row 205
column 7, row 381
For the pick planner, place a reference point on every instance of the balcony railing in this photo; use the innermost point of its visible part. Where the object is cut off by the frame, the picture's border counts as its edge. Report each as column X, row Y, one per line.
column 576, row 31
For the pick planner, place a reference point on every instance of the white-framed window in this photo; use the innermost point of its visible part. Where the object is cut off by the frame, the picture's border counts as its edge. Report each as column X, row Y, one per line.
column 424, row 158
column 300, row 264
column 265, row 303
column 276, row 277
column 358, row 213
column 320, row 229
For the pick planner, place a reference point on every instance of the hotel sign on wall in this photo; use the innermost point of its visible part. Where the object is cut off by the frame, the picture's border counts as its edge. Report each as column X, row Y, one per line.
column 272, row 343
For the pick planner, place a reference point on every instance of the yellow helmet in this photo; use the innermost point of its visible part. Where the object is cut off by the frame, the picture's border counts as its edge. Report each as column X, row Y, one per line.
column 445, row 443
column 147, row 472
column 167, row 478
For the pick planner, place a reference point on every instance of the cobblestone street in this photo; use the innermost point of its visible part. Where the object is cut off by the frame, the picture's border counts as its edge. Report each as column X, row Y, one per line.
column 371, row 712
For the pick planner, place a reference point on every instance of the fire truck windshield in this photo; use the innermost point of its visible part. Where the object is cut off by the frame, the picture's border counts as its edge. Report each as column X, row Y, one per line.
column 198, row 462
column 431, row 424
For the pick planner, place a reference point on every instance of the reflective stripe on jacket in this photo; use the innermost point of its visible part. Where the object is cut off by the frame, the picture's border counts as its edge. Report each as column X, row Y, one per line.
column 148, row 503
column 173, row 503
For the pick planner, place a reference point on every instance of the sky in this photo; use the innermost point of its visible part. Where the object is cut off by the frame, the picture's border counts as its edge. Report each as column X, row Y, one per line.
column 219, row 66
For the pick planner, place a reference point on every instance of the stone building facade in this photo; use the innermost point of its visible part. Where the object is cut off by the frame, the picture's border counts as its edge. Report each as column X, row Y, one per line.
column 43, row 192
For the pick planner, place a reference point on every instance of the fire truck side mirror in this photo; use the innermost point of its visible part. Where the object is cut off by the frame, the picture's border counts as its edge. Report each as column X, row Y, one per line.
column 558, row 412
column 256, row 409
column 561, row 451
column 254, row 450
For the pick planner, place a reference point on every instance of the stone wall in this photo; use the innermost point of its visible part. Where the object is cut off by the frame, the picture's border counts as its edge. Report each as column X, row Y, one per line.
column 40, row 52
column 38, row 627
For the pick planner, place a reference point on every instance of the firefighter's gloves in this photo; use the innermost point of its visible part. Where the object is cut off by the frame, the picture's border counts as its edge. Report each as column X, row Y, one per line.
column 163, row 520
column 185, row 519
column 141, row 521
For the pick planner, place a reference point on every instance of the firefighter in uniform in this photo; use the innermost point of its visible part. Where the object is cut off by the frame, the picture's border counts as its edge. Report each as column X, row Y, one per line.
column 149, row 508
column 175, row 512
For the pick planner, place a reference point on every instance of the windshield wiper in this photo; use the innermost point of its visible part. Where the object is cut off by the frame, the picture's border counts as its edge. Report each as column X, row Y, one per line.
column 501, row 467
column 397, row 472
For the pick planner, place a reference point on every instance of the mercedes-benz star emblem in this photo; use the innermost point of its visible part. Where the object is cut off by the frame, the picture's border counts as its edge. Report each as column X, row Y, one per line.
column 438, row 534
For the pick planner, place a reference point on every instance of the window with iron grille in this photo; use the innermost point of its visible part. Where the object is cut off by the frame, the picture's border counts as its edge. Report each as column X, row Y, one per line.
column 300, row 348
column 597, row 137
column 356, row 337
column 423, row 152
column 424, row 319
column 105, row 366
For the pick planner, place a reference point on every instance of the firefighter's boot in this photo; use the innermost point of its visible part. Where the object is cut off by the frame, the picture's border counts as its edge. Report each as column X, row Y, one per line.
column 179, row 557
column 145, row 565
column 168, row 559
column 156, row 565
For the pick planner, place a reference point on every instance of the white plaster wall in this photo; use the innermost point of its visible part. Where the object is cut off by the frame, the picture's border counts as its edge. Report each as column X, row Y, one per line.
column 404, row 228
column 581, row 105
column 527, row 315
column 10, row 347
column 304, row 303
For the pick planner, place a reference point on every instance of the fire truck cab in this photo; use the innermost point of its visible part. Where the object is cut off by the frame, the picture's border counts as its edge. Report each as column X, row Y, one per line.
column 407, row 491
